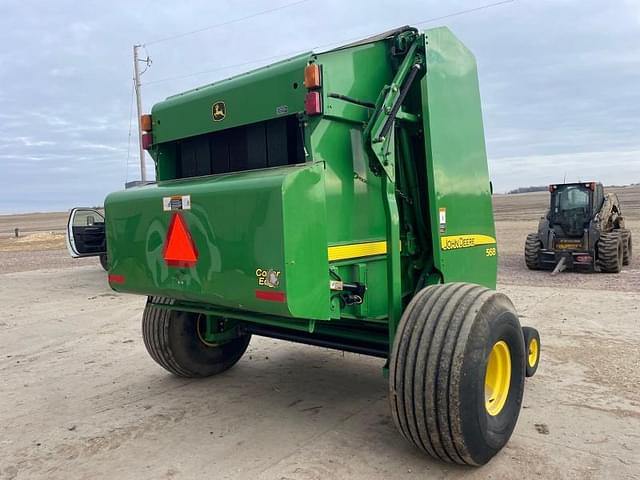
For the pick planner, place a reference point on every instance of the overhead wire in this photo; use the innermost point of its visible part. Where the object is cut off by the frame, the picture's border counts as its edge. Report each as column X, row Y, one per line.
column 227, row 22
column 234, row 65
column 464, row 12
column 300, row 51
column 421, row 22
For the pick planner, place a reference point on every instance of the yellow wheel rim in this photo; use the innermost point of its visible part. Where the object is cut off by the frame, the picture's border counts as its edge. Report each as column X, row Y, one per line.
column 497, row 378
column 533, row 352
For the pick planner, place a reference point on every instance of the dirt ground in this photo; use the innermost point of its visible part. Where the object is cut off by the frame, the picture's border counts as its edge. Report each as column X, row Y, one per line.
column 40, row 243
column 81, row 399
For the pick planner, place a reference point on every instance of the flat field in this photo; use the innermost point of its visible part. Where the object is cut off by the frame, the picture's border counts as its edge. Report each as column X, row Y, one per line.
column 81, row 399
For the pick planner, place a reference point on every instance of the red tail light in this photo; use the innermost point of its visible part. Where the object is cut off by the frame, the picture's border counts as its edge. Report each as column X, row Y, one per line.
column 313, row 103
column 552, row 188
column 147, row 140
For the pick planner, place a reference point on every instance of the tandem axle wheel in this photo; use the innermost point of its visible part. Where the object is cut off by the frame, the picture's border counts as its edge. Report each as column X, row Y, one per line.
column 177, row 342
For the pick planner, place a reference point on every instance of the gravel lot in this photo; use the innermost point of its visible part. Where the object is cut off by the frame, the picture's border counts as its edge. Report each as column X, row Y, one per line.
column 80, row 397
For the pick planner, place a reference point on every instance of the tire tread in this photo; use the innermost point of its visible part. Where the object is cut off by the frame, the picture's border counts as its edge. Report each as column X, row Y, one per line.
column 627, row 245
column 155, row 333
column 608, row 253
column 425, row 366
column 532, row 251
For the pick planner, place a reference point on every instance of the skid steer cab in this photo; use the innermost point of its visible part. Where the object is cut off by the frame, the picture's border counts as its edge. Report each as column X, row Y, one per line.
column 582, row 230
column 86, row 235
column 339, row 199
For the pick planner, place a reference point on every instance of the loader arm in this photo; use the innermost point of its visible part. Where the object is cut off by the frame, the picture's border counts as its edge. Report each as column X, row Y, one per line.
column 379, row 139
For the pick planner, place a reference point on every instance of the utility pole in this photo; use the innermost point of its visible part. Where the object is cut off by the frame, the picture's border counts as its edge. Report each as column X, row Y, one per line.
column 136, row 82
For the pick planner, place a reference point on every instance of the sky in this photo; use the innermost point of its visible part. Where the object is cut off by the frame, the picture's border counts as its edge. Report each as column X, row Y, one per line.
column 559, row 81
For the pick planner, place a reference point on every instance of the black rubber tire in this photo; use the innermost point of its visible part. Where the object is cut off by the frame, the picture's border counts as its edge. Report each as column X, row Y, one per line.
column 531, row 365
column 627, row 246
column 532, row 246
column 172, row 340
column 104, row 261
column 437, row 372
column 610, row 252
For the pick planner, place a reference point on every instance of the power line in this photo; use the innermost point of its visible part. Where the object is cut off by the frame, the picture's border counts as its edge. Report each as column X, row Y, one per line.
column 429, row 20
column 224, row 67
column 464, row 12
column 228, row 22
column 339, row 42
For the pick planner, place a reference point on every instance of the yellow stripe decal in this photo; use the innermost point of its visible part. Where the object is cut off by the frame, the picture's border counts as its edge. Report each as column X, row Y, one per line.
column 453, row 242
column 355, row 250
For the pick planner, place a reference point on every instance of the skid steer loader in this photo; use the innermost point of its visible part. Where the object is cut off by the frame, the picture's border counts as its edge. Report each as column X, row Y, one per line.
column 583, row 230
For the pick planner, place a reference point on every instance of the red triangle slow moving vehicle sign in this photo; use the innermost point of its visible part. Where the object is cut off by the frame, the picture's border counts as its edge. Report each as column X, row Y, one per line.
column 179, row 249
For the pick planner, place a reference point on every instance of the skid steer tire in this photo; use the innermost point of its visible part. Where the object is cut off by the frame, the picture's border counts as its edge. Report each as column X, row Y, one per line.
column 610, row 252
column 449, row 339
column 172, row 340
column 532, row 348
column 627, row 246
column 532, row 251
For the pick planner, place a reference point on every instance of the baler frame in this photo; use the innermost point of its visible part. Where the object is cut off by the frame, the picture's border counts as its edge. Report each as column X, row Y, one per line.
column 321, row 217
column 379, row 136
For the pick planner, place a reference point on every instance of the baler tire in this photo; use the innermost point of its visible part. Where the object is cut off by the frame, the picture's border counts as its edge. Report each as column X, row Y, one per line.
column 532, row 246
column 627, row 246
column 438, row 370
column 610, row 252
column 104, row 261
column 532, row 348
column 172, row 340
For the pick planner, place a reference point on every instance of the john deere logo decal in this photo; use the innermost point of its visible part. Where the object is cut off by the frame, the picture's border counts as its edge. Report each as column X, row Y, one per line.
column 219, row 111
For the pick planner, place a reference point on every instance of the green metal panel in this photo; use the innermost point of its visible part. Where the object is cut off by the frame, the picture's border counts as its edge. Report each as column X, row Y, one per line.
column 358, row 72
column 286, row 218
column 251, row 97
column 304, row 219
column 458, row 179
column 353, row 192
column 239, row 223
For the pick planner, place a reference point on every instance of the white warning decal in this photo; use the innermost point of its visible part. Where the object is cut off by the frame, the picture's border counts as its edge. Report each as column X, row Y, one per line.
column 443, row 220
column 176, row 202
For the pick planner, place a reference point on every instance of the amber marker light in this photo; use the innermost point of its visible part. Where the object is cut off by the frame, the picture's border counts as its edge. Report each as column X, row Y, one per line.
column 312, row 76
column 145, row 122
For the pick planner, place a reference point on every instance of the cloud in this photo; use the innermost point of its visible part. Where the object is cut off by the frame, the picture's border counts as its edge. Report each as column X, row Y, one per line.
column 608, row 167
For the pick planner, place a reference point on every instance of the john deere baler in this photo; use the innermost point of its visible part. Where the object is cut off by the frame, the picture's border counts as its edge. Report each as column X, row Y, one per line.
column 339, row 199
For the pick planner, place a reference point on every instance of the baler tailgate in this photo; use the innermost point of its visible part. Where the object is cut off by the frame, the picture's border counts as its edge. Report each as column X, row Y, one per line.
column 224, row 240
